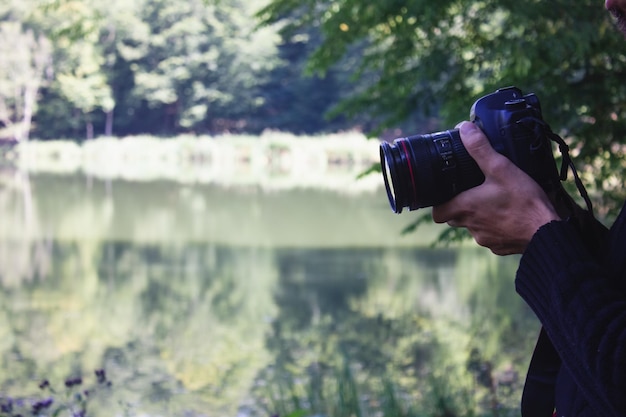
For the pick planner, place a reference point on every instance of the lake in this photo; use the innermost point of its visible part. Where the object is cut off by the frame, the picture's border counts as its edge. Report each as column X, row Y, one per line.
column 162, row 298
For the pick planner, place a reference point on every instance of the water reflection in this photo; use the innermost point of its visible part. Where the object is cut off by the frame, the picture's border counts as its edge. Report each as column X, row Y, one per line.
column 200, row 301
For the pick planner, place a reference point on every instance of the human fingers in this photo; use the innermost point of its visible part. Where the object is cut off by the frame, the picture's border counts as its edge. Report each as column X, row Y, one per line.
column 453, row 212
column 480, row 149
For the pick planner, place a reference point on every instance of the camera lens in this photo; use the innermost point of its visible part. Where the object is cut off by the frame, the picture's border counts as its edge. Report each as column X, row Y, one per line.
column 426, row 170
column 388, row 176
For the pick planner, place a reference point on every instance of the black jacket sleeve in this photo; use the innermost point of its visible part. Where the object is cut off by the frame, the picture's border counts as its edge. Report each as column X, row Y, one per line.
column 581, row 304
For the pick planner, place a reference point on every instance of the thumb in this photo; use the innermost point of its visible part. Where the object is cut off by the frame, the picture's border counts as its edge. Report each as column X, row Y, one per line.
column 479, row 147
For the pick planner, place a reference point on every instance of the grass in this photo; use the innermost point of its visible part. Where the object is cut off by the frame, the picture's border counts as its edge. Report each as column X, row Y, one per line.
column 344, row 393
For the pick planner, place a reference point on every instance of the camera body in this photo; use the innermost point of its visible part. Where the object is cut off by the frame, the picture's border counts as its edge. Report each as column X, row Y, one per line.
column 427, row 170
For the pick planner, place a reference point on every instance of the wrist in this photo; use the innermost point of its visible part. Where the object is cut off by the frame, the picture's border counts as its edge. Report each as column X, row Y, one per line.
column 542, row 215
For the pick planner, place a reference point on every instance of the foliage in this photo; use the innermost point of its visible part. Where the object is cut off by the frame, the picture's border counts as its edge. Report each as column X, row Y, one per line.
column 147, row 66
column 438, row 57
column 72, row 400
column 342, row 393
column 431, row 363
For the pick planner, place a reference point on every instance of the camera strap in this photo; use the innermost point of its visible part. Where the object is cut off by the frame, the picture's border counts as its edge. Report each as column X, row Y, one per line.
column 590, row 228
column 542, row 129
column 539, row 388
column 567, row 162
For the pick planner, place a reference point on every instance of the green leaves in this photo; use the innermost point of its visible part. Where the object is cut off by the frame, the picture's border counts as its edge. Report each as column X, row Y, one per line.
column 198, row 65
column 412, row 65
column 418, row 57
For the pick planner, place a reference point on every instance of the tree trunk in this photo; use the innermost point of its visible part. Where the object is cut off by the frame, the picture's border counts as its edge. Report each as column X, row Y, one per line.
column 30, row 94
column 108, row 127
column 89, row 130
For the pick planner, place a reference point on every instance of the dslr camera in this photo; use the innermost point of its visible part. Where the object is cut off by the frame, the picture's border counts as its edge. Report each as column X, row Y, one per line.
column 427, row 170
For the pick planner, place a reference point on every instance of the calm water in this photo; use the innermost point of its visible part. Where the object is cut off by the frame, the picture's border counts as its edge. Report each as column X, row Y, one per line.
column 201, row 301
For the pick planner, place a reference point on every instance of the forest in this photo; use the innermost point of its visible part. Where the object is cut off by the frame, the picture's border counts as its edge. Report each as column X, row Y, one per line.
column 85, row 69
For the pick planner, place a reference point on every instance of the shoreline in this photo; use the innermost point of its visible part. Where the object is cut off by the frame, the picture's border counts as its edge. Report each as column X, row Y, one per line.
column 273, row 161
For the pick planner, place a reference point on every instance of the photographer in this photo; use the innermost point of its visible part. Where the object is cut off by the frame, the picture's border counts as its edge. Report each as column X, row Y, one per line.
column 579, row 365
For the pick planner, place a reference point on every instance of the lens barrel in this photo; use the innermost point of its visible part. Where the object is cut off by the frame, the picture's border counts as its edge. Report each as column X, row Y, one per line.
column 427, row 170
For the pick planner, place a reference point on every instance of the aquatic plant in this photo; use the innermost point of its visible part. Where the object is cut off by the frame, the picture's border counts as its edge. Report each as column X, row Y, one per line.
column 70, row 400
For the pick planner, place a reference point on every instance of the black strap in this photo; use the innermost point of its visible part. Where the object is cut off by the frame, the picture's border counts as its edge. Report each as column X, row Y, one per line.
column 541, row 129
column 539, row 389
column 568, row 163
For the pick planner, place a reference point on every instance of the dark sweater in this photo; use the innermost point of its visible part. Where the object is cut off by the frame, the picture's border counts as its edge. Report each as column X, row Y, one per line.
column 581, row 303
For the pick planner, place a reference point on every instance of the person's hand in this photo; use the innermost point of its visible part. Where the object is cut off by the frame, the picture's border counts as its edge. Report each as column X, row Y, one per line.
column 505, row 211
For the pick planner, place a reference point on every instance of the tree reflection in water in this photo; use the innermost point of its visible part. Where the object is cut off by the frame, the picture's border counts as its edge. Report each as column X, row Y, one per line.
column 189, row 313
